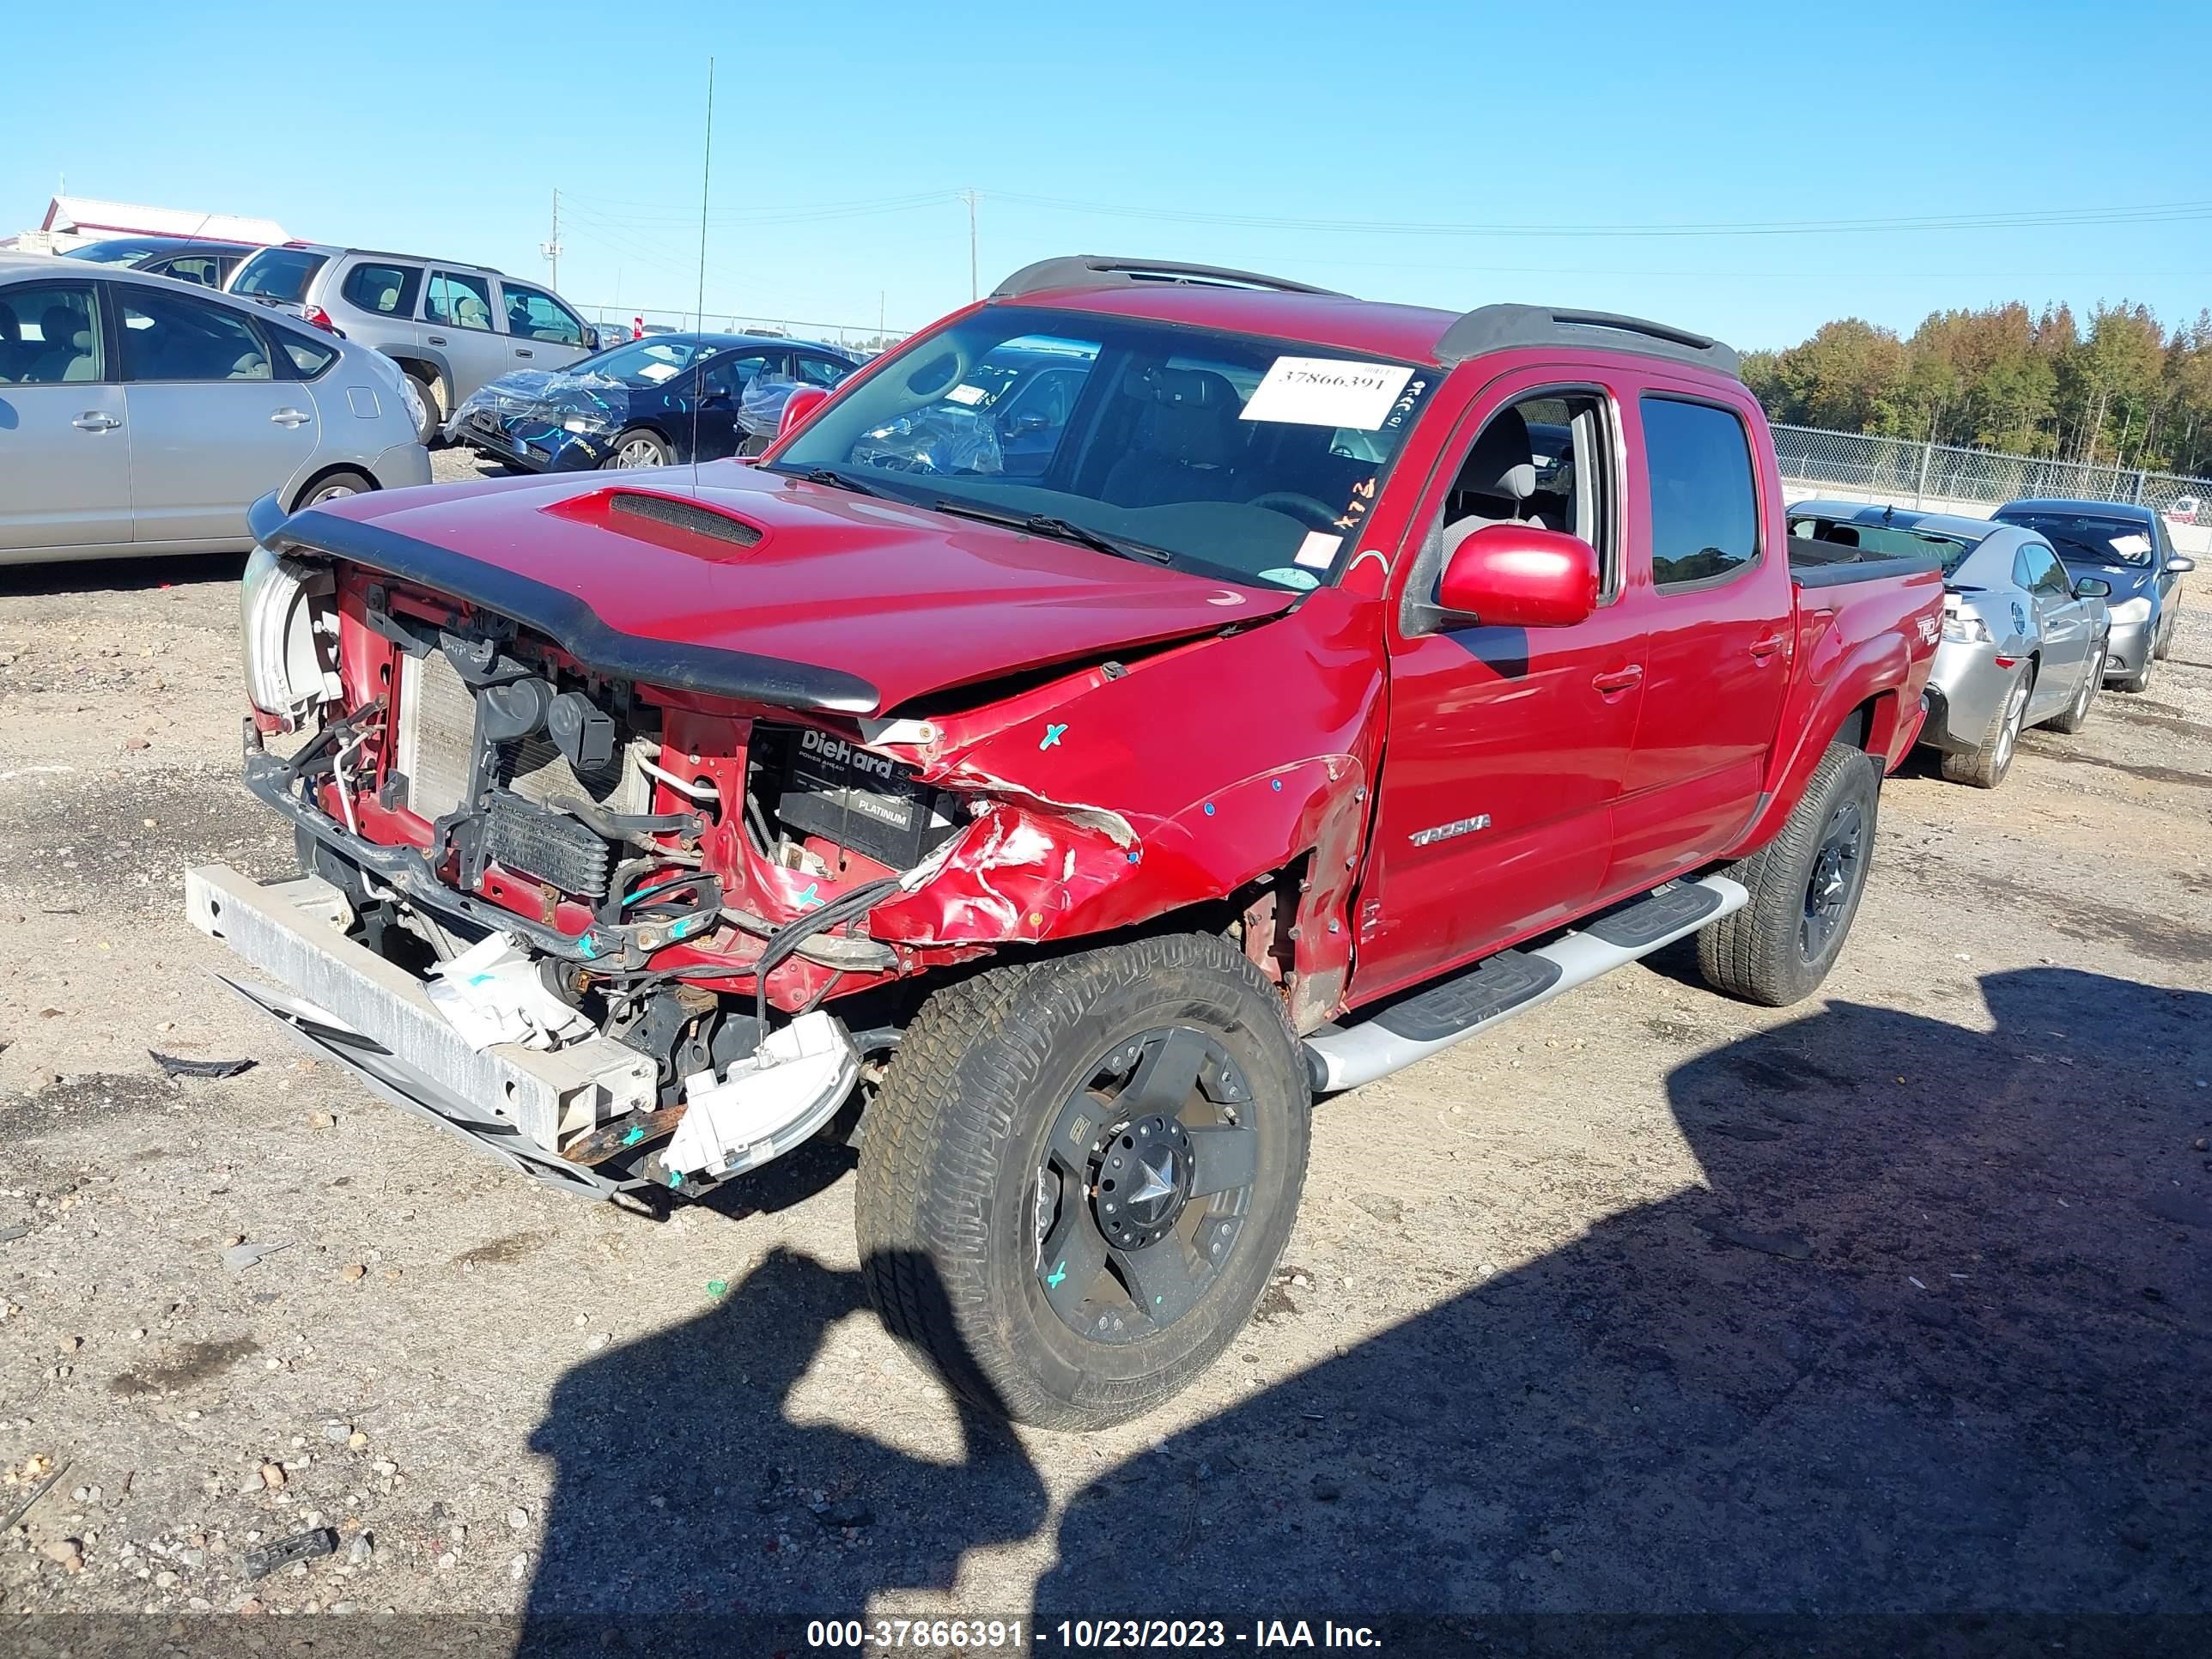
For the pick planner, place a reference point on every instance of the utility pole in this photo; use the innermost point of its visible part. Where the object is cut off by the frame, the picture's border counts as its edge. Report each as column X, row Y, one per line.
column 706, row 172
column 551, row 247
column 973, row 293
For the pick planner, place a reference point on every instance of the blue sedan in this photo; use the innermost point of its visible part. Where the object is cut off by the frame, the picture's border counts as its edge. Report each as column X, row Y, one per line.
column 667, row 400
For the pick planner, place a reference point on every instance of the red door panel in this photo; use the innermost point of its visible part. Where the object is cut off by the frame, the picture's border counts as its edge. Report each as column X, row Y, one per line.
column 1506, row 751
column 1716, row 649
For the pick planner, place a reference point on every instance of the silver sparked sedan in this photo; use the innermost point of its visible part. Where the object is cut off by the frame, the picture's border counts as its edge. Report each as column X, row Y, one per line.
column 2023, row 643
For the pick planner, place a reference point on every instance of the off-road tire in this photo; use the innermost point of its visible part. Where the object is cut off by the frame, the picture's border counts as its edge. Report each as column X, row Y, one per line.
column 948, row 1246
column 2075, row 714
column 1985, row 765
column 1756, row 953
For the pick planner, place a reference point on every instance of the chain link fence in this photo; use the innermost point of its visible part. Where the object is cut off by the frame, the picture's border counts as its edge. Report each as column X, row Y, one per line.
column 1945, row 476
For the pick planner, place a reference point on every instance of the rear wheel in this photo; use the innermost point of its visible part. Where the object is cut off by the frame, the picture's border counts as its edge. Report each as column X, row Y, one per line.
column 336, row 486
column 1805, row 886
column 1984, row 766
column 637, row 448
column 1080, row 1173
column 434, row 412
column 2077, row 712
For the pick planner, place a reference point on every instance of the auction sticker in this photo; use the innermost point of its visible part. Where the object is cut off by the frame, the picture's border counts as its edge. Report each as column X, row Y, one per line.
column 1328, row 391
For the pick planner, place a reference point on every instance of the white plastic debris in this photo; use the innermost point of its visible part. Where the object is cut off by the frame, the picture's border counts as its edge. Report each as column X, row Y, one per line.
column 782, row 1092
column 492, row 995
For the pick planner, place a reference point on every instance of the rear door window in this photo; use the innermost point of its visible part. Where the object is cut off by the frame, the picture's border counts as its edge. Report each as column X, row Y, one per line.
column 458, row 301
column 1704, row 506
column 822, row 371
column 385, row 290
column 174, row 336
column 50, row 335
column 203, row 268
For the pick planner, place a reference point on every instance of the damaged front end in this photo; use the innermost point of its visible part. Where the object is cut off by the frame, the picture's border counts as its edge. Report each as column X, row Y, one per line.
column 628, row 917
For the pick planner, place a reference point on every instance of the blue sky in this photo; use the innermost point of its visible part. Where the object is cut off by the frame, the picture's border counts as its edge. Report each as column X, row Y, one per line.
column 1307, row 139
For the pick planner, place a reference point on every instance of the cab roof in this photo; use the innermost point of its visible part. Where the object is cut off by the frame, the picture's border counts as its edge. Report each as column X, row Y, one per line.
column 1248, row 303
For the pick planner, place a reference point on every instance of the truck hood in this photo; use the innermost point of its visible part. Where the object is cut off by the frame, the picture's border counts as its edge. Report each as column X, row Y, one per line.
column 765, row 588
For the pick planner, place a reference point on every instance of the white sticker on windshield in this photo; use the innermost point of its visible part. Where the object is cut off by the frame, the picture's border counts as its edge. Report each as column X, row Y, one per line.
column 2129, row 545
column 1318, row 550
column 657, row 372
column 1328, row 391
column 966, row 394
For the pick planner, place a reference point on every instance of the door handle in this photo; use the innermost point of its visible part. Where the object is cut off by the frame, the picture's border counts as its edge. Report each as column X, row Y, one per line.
column 522, row 351
column 437, row 339
column 1762, row 649
column 93, row 421
column 291, row 416
column 1619, row 679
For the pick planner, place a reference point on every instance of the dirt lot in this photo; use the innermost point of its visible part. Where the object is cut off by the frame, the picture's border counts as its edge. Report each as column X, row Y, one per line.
column 1895, row 1301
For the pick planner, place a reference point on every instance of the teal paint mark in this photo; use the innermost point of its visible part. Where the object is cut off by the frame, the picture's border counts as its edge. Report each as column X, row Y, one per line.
column 717, row 1287
column 813, row 894
column 480, row 979
column 1051, row 734
column 676, row 1178
column 687, row 925
column 1058, row 1273
column 587, row 947
column 633, row 1137
column 644, row 893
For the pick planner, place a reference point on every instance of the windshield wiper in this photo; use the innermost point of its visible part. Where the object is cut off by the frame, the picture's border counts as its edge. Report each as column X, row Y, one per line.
column 1064, row 530
column 830, row 476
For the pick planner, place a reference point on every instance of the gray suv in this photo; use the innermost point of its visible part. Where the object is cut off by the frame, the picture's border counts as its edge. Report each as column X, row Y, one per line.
column 451, row 326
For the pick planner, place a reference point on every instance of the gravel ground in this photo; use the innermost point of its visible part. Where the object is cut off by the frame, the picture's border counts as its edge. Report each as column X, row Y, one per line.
column 1895, row 1301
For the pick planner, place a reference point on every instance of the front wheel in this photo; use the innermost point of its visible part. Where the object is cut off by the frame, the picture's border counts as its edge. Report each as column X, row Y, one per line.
column 1805, row 887
column 1080, row 1173
column 1985, row 765
column 637, row 448
column 2139, row 681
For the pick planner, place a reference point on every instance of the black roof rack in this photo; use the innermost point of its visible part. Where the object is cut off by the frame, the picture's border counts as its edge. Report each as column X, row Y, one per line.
column 1500, row 328
column 1099, row 271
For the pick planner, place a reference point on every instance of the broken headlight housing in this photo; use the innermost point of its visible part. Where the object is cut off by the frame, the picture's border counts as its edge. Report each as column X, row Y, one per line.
column 289, row 627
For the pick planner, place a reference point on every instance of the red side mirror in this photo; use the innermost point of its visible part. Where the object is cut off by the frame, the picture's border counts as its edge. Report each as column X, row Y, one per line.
column 1515, row 575
column 797, row 407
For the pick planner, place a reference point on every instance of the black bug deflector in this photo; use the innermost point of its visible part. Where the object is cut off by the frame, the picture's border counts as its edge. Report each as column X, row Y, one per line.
column 563, row 618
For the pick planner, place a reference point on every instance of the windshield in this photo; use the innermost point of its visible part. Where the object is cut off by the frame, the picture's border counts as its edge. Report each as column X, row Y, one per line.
column 281, row 274
column 1843, row 543
column 644, row 363
column 120, row 253
column 2091, row 538
column 1231, row 455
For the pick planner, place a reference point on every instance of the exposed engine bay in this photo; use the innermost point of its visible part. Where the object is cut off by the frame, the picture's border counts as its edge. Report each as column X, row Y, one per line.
column 601, row 856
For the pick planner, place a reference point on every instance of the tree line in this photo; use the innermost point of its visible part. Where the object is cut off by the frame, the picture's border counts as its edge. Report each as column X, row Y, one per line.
column 2121, row 391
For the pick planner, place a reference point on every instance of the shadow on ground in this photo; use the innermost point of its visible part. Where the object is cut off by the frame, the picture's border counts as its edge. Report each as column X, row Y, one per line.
column 1909, row 1351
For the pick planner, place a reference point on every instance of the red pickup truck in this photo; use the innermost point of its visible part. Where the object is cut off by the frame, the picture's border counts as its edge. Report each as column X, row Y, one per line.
column 1147, row 700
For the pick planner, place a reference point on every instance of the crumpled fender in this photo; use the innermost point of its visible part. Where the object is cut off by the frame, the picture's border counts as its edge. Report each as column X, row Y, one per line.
column 1106, row 800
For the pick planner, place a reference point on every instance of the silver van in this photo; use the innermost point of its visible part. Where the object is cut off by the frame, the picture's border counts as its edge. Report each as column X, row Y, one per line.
column 143, row 414
column 451, row 326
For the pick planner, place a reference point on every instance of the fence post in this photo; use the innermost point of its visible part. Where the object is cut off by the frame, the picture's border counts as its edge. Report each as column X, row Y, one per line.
column 2139, row 486
column 1920, row 485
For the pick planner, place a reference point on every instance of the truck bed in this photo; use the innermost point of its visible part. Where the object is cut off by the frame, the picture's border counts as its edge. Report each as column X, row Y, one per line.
column 1830, row 564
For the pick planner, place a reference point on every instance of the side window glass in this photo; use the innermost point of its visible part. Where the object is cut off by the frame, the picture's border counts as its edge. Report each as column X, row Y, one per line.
column 2050, row 575
column 173, row 336
column 1545, row 461
column 50, row 335
column 200, row 268
column 534, row 315
column 822, row 371
column 308, row 357
column 1704, row 506
column 728, row 376
column 384, row 291
column 460, row 301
